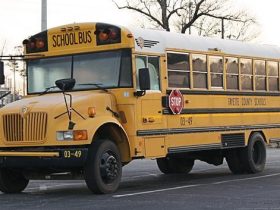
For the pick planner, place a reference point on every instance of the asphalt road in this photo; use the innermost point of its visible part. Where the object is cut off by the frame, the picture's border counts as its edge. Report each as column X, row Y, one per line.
column 144, row 187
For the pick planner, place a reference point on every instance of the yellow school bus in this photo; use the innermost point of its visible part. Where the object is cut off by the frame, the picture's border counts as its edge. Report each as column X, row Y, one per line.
column 101, row 95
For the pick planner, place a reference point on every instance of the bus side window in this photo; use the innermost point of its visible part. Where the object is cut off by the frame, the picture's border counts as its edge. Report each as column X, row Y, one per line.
column 246, row 74
column 140, row 63
column 199, row 63
column 273, row 75
column 152, row 63
column 178, row 65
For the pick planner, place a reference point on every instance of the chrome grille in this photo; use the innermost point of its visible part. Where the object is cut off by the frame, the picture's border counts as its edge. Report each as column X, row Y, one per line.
column 30, row 128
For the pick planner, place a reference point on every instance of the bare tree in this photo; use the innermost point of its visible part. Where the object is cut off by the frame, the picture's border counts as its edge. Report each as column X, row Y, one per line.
column 206, row 16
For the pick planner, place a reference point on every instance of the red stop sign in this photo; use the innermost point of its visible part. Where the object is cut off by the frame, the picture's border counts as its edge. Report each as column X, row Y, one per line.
column 176, row 101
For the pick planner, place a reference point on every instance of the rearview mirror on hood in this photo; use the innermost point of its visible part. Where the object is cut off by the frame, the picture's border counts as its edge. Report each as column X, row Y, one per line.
column 65, row 84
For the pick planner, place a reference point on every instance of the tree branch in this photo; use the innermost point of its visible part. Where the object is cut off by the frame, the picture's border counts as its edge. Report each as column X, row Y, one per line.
column 147, row 14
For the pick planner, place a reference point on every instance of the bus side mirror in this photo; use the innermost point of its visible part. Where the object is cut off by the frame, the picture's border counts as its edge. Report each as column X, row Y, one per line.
column 65, row 84
column 144, row 79
column 144, row 82
column 2, row 76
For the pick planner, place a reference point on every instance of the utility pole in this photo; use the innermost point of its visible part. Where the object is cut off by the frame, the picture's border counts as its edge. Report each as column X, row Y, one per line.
column 43, row 15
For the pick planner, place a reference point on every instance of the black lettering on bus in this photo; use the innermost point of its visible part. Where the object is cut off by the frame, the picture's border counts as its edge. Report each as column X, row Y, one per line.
column 72, row 39
column 59, row 40
column 88, row 35
column 54, row 41
column 66, row 39
column 247, row 102
column 81, row 39
column 260, row 101
column 233, row 101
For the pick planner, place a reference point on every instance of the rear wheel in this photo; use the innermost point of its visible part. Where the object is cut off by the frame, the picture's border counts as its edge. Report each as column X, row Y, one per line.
column 12, row 181
column 250, row 159
column 171, row 165
column 103, row 169
column 254, row 155
column 235, row 162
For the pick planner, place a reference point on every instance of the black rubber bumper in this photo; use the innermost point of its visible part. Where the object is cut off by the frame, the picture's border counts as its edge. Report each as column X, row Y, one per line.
column 67, row 158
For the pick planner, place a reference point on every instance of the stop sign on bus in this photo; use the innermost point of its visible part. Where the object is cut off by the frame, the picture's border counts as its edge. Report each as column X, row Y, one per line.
column 176, row 101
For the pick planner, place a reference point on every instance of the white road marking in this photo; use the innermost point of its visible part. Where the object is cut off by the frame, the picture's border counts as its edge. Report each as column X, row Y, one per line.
column 270, row 162
column 45, row 187
column 140, row 176
column 192, row 186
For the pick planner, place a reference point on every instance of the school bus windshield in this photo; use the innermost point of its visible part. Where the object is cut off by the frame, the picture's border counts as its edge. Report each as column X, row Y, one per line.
column 109, row 69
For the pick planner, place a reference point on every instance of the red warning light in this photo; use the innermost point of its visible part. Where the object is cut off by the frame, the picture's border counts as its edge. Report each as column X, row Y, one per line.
column 107, row 34
column 113, row 35
column 40, row 43
column 31, row 45
column 37, row 43
column 103, row 36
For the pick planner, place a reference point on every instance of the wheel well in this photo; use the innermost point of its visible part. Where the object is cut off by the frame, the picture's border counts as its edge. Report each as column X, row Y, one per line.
column 260, row 132
column 116, row 134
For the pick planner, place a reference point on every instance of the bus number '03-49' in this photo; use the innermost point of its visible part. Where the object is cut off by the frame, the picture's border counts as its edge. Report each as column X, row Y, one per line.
column 72, row 154
column 186, row 121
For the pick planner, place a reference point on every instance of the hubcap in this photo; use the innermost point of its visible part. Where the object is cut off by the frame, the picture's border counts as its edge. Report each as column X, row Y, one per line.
column 108, row 167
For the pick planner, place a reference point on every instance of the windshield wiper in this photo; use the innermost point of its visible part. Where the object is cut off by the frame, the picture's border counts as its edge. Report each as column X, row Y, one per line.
column 47, row 90
column 96, row 85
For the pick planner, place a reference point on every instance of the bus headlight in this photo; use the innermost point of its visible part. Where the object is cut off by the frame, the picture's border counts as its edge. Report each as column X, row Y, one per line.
column 71, row 135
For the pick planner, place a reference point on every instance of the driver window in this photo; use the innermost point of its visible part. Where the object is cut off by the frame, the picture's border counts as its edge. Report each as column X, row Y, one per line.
column 152, row 63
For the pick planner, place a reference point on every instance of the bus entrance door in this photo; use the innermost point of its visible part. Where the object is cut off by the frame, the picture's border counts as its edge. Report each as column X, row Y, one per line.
column 152, row 120
column 150, row 117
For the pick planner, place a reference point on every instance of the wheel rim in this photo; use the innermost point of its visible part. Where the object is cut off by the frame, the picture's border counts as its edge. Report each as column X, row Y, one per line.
column 109, row 168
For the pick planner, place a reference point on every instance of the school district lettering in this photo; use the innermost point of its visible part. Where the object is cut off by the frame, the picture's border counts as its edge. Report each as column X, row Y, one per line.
column 247, row 102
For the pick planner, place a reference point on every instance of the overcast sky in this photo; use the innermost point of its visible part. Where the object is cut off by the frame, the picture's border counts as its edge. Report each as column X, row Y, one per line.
column 21, row 18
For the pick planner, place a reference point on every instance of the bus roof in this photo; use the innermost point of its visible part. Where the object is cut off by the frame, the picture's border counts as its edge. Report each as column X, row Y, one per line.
column 156, row 41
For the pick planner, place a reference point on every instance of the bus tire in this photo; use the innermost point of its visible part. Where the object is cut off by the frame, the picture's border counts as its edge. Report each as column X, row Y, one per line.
column 171, row 165
column 234, row 161
column 103, row 169
column 163, row 165
column 254, row 155
column 12, row 181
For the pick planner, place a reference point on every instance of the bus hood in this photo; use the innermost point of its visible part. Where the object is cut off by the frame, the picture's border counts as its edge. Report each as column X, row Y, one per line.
column 53, row 103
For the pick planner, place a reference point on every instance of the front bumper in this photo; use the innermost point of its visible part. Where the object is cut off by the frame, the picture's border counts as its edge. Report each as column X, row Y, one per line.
column 56, row 158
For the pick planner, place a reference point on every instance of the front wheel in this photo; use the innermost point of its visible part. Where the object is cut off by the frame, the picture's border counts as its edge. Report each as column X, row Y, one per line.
column 12, row 181
column 103, row 169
